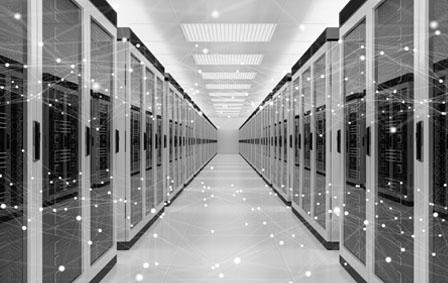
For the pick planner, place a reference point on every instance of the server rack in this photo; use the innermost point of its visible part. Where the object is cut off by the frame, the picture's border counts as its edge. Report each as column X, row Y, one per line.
column 280, row 96
column 138, row 126
column 384, row 132
column 45, row 180
column 314, row 196
column 175, row 167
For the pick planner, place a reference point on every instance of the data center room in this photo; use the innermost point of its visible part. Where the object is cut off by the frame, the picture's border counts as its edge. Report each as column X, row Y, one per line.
column 223, row 141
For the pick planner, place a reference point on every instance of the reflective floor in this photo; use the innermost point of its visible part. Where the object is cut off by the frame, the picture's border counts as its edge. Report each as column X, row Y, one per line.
column 227, row 226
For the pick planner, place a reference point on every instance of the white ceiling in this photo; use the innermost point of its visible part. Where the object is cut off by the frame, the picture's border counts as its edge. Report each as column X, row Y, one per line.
column 269, row 50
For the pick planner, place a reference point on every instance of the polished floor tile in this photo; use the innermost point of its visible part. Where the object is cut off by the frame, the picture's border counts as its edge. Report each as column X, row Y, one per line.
column 228, row 226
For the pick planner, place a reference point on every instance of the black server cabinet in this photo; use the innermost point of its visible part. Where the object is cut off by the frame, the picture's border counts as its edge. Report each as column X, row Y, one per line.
column 150, row 203
column 13, row 89
column 136, row 139
column 101, row 197
column 319, row 171
column 354, row 92
column 61, row 192
column 308, row 141
column 438, row 76
column 394, row 244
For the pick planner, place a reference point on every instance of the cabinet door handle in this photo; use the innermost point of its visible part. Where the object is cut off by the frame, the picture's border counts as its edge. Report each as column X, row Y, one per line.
column 311, row 141
column 338, row 138
column 117, row 141
column 368, row 141
column 36, row 140
column 88, row 141
column 419, row 141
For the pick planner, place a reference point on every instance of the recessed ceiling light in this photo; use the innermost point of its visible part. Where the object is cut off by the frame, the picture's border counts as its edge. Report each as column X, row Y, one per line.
column 229, row 32
column 227, row 100
column 229, row 94
column 228, row 86
column 228, row 59
column 229, row 76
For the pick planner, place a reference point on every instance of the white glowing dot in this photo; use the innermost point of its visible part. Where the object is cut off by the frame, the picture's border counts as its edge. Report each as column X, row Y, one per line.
column 61, row 268
column 362, row 58
column 434, row 24
column 156, row 263
column 215, row 14
column 237, row 260
column 302, row 27
column 58, row 60
column 281, row 243
column 221, row 275
column 153, row 210
column 435, row 214
column 78, row 218
column 155, row 235
column 139, row 277
column 388, row 259
column 3, row 206
column 393, row 130
column 24, row 228
column 205, row 51
column 308, row 273
column 145, row 265
column 17, row 16
column 90, row 243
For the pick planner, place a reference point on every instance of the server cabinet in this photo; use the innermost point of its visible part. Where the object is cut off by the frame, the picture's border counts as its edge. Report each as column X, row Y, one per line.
column 150, row 200
column 394, row 140
column 78, row 50
column 383, row 128
column 139, row 123
column 280, row 98
column 296, row 171
column 437, row 83
column 174, row 100
column 170, row 117
column 314, row 196
column 15, row 128
column 159, row 139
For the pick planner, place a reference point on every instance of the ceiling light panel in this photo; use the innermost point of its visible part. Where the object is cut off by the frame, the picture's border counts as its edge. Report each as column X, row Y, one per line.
column 229, row 94
column 228, row 86
column 227, row 100
column 228, row 32
column 228, row 59
column 229, row 76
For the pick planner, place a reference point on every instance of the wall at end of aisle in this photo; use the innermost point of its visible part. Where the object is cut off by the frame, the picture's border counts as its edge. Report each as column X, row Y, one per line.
column 228, row 134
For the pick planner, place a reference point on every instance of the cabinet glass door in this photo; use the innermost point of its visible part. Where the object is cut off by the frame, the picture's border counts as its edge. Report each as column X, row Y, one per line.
column 308, row 140
column 394, row 96
column 149, row 124
column 319, row 172
column 13, row 93
column 354, row 231
column 101, row 208
column 61, row 191
column 438, row 79
column 136, row 136
column 159, row 145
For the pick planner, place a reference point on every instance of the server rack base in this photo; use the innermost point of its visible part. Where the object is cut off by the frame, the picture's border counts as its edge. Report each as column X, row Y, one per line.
column 327, row 244
column 103, row 272
column 353, row 273
column 285, row 201
column 124, row 246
